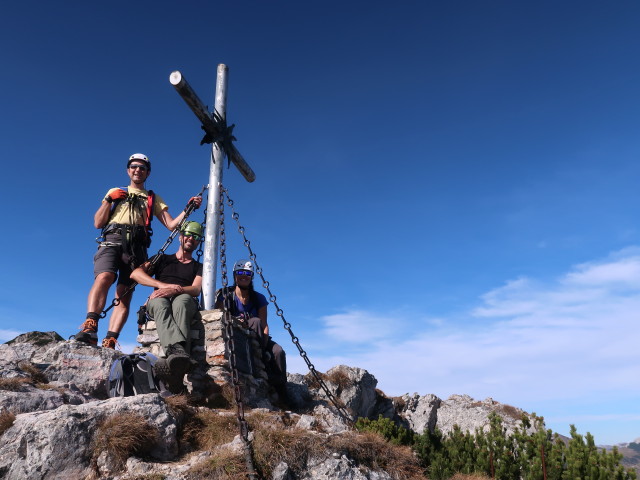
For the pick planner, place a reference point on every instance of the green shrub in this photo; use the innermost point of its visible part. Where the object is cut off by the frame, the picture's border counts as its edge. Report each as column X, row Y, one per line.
column 387, row 428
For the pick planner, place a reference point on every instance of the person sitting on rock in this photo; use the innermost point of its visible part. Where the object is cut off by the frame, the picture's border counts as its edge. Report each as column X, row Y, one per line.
column 178, row 280
column 251, row 307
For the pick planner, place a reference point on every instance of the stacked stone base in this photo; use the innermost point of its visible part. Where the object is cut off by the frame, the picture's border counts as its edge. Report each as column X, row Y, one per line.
column 211, row 381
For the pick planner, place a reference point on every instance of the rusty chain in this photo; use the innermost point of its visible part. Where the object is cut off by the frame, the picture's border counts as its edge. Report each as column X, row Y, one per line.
column 280, row 312
column 231, row 347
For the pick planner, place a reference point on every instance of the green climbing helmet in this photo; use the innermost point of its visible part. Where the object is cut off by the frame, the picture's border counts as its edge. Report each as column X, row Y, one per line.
column 192, row 229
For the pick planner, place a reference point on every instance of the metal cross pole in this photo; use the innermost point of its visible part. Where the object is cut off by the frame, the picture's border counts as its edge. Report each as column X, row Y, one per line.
column 221, row 138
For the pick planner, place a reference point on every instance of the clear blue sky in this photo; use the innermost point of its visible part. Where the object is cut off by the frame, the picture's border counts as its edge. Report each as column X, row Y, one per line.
column 446, row 192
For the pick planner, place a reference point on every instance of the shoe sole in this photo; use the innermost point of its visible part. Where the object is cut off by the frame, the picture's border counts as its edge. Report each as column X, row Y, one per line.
column 180, row 364
column 86, row 338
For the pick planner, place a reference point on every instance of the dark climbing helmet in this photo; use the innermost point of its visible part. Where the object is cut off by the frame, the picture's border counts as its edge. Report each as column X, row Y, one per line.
column 192, row 229
column 141, row 157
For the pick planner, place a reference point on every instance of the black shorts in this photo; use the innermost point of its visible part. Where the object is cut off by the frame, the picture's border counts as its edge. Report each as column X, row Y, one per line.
column 115, row 260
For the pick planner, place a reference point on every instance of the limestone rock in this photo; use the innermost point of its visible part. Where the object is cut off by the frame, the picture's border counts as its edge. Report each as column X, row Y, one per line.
column 74, row 363
column 341, row 468
column 470, row 414
column 356, row 389
column 420, row 413
column 56, row 389
column 31, row 399
column 58, row 443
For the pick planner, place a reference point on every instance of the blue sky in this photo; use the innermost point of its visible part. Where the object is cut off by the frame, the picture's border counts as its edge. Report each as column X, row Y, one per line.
column 446, row 192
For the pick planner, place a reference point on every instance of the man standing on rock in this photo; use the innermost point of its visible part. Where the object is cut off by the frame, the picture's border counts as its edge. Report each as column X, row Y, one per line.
column 172, row 305
column 125, row 218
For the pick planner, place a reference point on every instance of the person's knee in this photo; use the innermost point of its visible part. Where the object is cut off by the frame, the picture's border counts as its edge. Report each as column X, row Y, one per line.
column 185, row 302
column 104, row 280
column 157, row 305
column 279, row 356
column 255, row 324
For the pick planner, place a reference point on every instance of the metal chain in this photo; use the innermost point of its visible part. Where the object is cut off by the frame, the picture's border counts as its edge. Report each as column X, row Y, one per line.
column 231, row 347
column 189, row 209
column 200, row 251
column 280, row 313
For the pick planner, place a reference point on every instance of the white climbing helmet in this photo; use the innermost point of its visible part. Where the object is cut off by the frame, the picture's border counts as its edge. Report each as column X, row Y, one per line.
column 243, row 265
column 139, row 156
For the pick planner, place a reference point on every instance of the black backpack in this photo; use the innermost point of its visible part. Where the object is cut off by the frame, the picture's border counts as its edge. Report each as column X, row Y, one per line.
column 134, row 374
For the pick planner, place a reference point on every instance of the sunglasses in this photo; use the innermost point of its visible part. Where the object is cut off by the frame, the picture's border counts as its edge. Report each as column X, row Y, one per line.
column 195, row 236
column 244, row 272
column 141, row 167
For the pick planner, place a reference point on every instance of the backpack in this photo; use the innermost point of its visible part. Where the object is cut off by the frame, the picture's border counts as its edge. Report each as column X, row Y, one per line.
column 134, row 374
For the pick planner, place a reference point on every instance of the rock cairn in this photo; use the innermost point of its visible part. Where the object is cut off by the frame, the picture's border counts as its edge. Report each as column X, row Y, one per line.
column 209, row 347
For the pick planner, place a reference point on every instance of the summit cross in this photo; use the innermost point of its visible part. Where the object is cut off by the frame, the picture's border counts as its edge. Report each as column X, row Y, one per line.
column 220, row 136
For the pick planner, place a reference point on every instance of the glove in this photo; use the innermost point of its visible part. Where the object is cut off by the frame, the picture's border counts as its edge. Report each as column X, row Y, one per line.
column 115, row 194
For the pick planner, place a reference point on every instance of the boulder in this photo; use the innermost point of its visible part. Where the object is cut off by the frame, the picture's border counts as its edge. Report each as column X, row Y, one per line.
column 58, row 443
column 420, row 413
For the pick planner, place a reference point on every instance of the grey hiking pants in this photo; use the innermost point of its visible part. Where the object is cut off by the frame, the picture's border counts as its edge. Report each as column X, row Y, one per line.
column 173, row 318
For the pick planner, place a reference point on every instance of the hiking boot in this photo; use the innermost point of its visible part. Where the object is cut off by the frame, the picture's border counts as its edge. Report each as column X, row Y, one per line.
column 110, row 342
column 172, row 379
column 88, row 332
column 178, row 360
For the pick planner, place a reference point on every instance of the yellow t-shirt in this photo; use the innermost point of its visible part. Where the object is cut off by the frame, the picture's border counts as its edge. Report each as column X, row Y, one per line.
column 133, row 209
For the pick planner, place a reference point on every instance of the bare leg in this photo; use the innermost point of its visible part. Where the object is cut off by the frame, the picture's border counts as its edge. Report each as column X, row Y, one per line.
column 98, row 293
column 120, row 311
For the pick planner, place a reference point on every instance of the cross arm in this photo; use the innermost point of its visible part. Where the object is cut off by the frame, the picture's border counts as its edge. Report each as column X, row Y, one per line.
column 216, row 130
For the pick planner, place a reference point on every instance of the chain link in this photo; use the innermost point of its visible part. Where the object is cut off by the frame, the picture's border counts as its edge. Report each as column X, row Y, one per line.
column 189, row 209
column 231, row 347
column 280, row 313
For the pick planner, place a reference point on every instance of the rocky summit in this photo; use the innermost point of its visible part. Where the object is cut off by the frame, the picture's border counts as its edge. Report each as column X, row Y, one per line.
column 57, row 422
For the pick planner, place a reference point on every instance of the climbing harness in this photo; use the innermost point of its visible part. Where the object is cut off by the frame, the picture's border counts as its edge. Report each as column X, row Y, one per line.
column 189, row 209
column 224, row 193
column 128, row 231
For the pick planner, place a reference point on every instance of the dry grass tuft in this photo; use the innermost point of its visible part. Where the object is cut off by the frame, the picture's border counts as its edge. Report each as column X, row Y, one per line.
column 312, row 382
column 6, row 421
column 371, row 450
column 398, row 403
column 34, row 372
column 148, row 476
column 223, row 465
column 339, row 378
column 294, row 447
column 14, row 384
column 179, row 405
column 208, row 429
column 510, row 411
column 226, row 398
column 464, row 476
column 123, row 435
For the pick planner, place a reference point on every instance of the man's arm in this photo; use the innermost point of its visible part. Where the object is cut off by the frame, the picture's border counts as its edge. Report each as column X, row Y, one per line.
column 195, row 288
column 141, row 275
column 101, row 217
column 168, row 221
